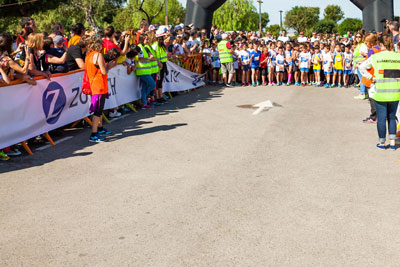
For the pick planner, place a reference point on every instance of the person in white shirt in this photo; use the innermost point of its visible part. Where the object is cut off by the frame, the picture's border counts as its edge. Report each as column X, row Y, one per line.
column 280, row 66
column 283, row 37
column 327, row 62
column 244, row 57
column 304, row 62
column 271, row 63
column 302, row 38
column 314, row 37
column 215, row 63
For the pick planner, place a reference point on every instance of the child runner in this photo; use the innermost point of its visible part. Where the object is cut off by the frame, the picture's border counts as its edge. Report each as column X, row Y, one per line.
column 338, row 66
column 280, row 66
column 296, row 68
column 304, row 62
column 327, row 59
column 289, row 62
column 255, row 56
column 271, row 64
column 263, row 65
column 317, row 66
column 215, row 63
column 347, row 63
column 244, row 56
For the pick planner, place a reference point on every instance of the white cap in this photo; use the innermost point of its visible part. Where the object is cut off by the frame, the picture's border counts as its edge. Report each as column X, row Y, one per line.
column 162, row 31
column 224, row 36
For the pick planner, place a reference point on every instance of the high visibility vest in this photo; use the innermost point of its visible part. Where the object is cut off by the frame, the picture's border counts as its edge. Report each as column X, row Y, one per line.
column 143, row 68
column 225, row 55
column 387, row 89
column 357, row 55
column 161, row 54
column 154, row 64
column 364, row 80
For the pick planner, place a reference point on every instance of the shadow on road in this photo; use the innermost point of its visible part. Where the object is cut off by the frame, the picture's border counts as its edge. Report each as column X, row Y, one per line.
column 129, row 126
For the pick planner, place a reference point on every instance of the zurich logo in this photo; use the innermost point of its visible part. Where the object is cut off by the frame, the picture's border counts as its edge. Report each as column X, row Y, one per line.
column 54, row 101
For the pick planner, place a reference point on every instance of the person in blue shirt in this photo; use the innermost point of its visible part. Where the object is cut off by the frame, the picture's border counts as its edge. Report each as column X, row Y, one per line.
column 255, row 63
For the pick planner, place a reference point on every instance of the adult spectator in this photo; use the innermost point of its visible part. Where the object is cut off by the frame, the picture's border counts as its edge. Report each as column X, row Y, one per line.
column 35, row 45
column 144, row 27
column 28, row 25
column 360, row 54
column 301, row 38
column 314, row 37
column 386, row 95
column 394, row 29
column 54, row 59
column 57, row 29
column 77, row 31
column 226, row 58
column 75, row 55
column 110, row 41
column 283, row 37
column 268, row 37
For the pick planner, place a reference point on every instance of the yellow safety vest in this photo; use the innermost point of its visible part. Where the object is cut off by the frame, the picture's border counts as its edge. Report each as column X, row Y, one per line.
column 143, row 68
column 225, row 55
column 386, row 89
column 155, row 68
column 161, row 54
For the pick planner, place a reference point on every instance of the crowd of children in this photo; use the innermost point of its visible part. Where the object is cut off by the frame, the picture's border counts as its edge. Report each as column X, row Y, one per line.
column 276, row 63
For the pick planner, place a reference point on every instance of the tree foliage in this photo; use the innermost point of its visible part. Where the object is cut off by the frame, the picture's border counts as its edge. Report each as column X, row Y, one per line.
column 333, row 12
column 274, row 29
column 350, row 25
column 301, row 18
column 20, row 8
column 239, row 15
column 325, row 26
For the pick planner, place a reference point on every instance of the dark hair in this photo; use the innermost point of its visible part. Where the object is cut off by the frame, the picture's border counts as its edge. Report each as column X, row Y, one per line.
column 109, row 31
column 316, row 47
column 112, row 54
column 25, row 32
column 5, row 43
column 25, row 21
column 56, row 26
column 78, row 29
column 47, row 42
column 134, row 50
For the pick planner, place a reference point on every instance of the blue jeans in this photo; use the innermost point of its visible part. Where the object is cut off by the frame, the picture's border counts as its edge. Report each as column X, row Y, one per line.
column 386, row 111
column 148, row 85
column 363, row 89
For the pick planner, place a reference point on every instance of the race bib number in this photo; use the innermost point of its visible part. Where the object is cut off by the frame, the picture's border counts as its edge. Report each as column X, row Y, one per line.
column 257, row 58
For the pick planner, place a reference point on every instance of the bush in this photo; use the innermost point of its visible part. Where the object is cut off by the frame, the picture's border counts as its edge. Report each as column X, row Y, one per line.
column 350, row 25
column 325, row 26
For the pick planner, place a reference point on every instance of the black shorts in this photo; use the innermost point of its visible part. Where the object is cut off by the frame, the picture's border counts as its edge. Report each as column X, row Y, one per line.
column 264, row 71
column 295, row 68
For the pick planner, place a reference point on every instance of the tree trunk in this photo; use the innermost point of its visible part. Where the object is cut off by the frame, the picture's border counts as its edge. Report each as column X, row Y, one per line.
column 90, row 18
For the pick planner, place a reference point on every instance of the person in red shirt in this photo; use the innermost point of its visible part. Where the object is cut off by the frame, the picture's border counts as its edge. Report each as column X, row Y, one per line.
column 144, row 27
column 109, row 41
column 263, row 65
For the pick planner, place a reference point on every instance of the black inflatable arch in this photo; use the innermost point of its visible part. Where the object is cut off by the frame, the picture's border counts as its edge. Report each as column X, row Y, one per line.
column 200, row 12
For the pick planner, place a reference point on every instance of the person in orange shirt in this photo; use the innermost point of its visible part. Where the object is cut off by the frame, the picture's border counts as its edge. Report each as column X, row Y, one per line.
column 97, row 70
column 77, row 31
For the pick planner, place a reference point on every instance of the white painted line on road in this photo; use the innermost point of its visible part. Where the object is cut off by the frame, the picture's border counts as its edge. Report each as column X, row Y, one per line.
column 56, row 142
column 261, row 106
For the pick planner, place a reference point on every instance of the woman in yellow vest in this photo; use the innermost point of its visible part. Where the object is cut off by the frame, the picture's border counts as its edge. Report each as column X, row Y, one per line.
column 144, row 69
column 385, row 91
column 161, row 53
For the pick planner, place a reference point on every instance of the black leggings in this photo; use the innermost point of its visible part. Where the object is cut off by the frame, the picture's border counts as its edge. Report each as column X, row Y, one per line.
column 163, row 72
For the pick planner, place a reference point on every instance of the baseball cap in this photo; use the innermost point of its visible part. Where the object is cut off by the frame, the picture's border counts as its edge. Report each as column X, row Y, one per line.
column 58, row 39
column 178, row 27
column 161, row 31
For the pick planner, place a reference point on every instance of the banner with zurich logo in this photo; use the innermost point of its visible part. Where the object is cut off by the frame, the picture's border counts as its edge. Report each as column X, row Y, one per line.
column 28, row 111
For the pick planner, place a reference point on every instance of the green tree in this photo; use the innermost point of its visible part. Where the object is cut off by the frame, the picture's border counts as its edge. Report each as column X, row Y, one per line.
column 325, row 26
column 350, row 25
column 274, row 29
column 23, row 8
column 301, row 18
column 239, row 15
column 333, row 12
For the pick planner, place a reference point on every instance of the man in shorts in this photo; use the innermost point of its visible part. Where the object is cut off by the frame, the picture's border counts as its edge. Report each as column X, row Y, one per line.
column 225, row 55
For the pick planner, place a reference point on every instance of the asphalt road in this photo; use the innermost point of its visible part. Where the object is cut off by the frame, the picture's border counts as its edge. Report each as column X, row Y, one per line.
column 202, row 182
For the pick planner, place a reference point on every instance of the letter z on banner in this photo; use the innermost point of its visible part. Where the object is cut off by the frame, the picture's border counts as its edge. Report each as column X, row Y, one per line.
column 179, row 79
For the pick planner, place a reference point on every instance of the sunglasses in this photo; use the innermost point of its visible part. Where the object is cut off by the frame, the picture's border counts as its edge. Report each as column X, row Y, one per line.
column 358, row 36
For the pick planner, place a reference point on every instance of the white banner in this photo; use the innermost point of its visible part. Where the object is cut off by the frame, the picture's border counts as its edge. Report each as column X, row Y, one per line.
column 179, row 79
column 28, row 111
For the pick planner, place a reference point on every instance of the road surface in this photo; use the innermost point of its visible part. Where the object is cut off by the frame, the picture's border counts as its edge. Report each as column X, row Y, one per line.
column 203, row 182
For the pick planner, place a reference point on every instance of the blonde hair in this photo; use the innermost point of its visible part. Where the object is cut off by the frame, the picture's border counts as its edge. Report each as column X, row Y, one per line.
column 35, row 41
column 371, row 38
column 94, row 43
column 151, row 37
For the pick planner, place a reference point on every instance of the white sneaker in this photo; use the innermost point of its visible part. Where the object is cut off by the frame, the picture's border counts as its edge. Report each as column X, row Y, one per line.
column 114, row 114
column 14, row 152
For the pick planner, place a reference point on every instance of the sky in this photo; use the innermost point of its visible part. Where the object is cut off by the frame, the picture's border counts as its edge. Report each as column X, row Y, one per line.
column 273, row 7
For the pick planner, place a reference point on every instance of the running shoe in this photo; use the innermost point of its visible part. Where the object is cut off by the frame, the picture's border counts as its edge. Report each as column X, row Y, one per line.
column 97, row 138
column 361, row 97
column 340, row 85
column 287, row 84
column 302, row 85
column 258, row 83
column 104, row 132
column 3, row 156
column 253, row 84
column 14, row 152
column 369, row 120
column 326, row 85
